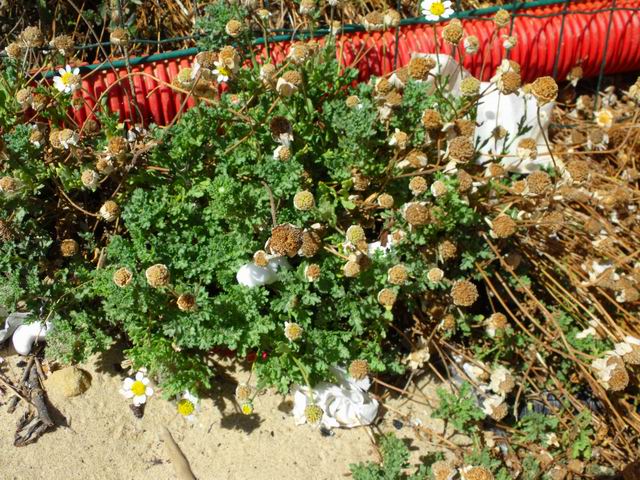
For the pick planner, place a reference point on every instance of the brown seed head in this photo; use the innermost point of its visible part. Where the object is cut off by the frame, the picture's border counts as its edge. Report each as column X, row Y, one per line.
column 545, row 90
column 119, row 37
column 398, row 274
column 122, row 277
column 503, row 226
column 387, row 297
column 416, row 214
column 352, row 101
column 502, row 18
column 14, row 51
column 312, row 272
column 452, row 33
column 109, row 211
column 447, row 250
column 233, row 28
column 385, row 200
column 419, row 67
column 8, row 184
column 286, row 239
column 304, row 200
column 6, row 233
column 418, row 185
column 509, row 82
column 578, row 170
column 311, row 244
column 431, row 119
column 465, row 181
column 464, row 293
column 261, row 259
column 186, row 302
column 359, row 369
column 69, row 247
column 461, row 149
column 351, row 269
column 538, row 182
column 476, row 473
column 31, row 37
column 158, row 275
column 470, row 86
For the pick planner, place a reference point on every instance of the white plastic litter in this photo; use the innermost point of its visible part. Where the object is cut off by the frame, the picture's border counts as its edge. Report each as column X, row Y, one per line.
column 11, row 323
column 346, row 404
column 26, row 335
column 250, row 275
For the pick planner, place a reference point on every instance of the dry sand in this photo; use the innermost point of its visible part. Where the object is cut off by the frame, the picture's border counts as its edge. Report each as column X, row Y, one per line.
column 103, row 439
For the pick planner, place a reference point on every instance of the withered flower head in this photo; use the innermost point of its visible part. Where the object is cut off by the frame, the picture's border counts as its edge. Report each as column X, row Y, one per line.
column 503, row 226
column 122, row 277
column 69, row 247
column 186, row 302
column 545, row 90
column 158, row 275
column 464, row 293
column 416, row 214
column 359, row 369
column 286, row 239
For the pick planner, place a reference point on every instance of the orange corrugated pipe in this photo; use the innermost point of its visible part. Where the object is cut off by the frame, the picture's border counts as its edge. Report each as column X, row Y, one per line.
column 583, row 43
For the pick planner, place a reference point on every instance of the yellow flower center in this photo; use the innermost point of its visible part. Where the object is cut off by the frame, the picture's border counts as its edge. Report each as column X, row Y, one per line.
column 247, row 408
column 138, row 388
column 66, row 77
column 604, row 118
column 437, row 8
column 224, row 71
column 185, row 407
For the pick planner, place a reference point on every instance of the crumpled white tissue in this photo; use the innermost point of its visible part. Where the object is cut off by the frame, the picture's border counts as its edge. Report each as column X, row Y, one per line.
column 250, row 275
column 346, row 404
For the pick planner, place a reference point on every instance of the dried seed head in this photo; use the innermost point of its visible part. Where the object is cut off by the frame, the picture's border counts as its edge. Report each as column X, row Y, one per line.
column 119, row 37
column 496, row 323
column 351, row 269
column 229, row 57
column 90, row 179
column 538, row 182
column 418, row 185
column 464, row 127
column 611, row 372
column 527, row 149
column 313, row 413
column 31, row 37
column 629, row 350
column 6, row 233
column 304, row 200
column 443, row 470
column 431, row 119
column 452, row 33
column 352, row 101
column 509, row 82
column 36, row 137
column 464, row 293
column 116, row 146
column 419, row 67
column 471, row 44
column 399, row 139
column 14, row 51
column 24, row 96
column 495, row 407
column 391, row 18
column 465, row 181
column 359, row 369
column 387, row 297
column 286, row 239
column 502, row 18
column 373, row 21
column 186, row 302
column 578, row 170
column 476, row 473
column 416, row 159
column 447, row 250
column 261, row 259
column 8, row 185
column 282, row 153
column 435, row 275
column 69, row 247
column 233, row 28
column 385, row 200
column 158, row 275
column 206, row 60
column 109, row 211
column 470, row 86
column 502, row 381
column 503, row 226
column 398, row 274
column 545, row 90
column 355, row 234
column 62, row 43
column 243, row 392
column 439, row 188
column 312, row 272
column 416, row 214
column 104, row 166
column 311, row 244
column 122, row 277
column 461, row 149
column 448, row 323
column 292, row 331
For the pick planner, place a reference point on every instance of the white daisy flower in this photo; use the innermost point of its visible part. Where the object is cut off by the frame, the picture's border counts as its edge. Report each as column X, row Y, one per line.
column 604, row 118
column 221, row 72
column 68, row 81
column 188, row 405
column 137, row 388
column 435, row 10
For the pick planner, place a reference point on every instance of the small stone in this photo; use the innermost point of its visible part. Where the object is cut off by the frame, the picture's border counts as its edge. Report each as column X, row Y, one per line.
column 397, row 424
column 68, row 382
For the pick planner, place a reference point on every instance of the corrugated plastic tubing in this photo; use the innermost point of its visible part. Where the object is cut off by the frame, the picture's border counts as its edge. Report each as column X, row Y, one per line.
column 584, row 41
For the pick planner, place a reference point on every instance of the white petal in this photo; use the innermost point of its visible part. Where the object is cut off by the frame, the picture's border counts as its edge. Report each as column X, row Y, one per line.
column 447, row 4
column 76, row 70
column 139, row 376
column 127, row 393
column 148, row 391
column 139, row 400
column 145, row 381
column 62, row 71
column 127, row 383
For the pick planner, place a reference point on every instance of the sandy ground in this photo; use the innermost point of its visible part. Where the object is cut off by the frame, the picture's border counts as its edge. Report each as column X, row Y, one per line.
column 103, row 439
